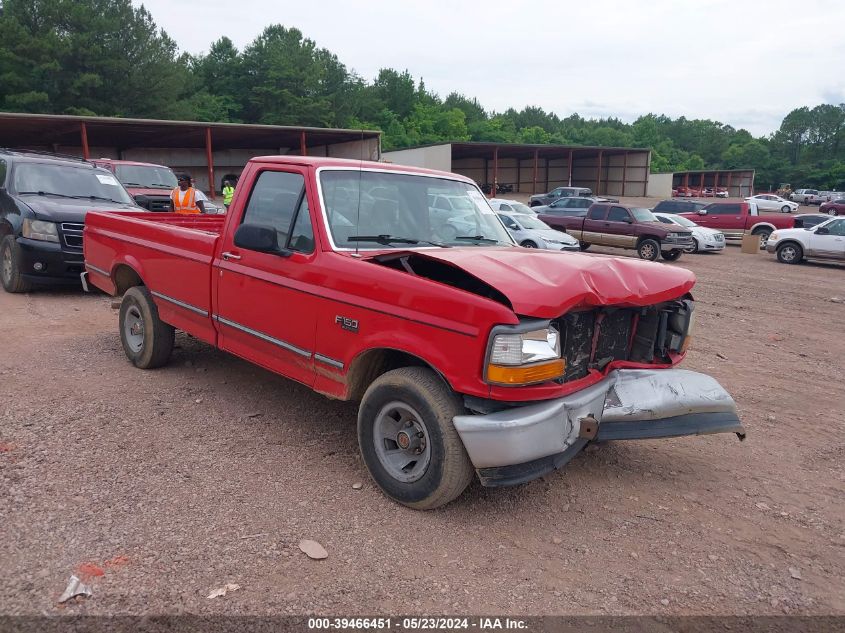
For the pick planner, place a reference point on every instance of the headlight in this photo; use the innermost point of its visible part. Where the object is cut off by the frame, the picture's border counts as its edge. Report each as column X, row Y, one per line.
column 525, row 358
column 773, row 237
column 40, row 230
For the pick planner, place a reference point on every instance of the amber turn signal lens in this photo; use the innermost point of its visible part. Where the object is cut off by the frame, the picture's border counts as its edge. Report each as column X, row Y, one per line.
column 525, row 375
column 686, row 344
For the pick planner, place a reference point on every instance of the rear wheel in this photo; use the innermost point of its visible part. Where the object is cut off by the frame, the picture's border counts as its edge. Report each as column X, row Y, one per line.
column 833, row 211
column 408, row 441
column 648, row 249
column 10, row 270
column 790, row 253
column 147, row 340
column 671, row 256
column 764, row 236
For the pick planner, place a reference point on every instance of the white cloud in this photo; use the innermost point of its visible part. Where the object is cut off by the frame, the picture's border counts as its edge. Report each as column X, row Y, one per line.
column 741, row 63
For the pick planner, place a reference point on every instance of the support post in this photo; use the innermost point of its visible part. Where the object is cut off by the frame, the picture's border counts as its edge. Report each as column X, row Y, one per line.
column 83, row 130
column 598, row 175
column 495, row 172
column 730, row 177
column 210, row 162
column 715, row 183
column 534, row 179
column 686, row 182
column 518, row 177
column 547, row 175
column 624, row 172
column 569, row 168
column 303, row 150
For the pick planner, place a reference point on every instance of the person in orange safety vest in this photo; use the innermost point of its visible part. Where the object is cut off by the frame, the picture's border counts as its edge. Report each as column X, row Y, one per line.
column 186, row 199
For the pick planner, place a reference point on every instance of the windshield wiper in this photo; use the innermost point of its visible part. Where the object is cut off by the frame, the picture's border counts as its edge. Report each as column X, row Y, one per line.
column 477, row 238
column 391, row 239
column 132, row 184
column 44, row 193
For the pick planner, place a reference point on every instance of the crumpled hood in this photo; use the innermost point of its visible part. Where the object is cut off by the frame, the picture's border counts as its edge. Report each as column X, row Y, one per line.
column 55, row 209
column 545, row 284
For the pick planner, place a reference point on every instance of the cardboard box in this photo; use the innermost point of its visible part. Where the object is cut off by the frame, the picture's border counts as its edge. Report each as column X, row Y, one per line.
column 751, row 244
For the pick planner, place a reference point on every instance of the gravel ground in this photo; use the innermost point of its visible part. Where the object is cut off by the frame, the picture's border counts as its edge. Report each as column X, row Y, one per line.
column 164, row 485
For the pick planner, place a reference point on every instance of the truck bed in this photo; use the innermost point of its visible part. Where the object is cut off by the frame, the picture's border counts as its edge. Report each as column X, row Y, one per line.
column 171, row 253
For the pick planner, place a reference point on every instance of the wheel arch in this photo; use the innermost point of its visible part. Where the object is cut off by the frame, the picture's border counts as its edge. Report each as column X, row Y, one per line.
column 762, row 225
column 124, row 276
column 372, row 363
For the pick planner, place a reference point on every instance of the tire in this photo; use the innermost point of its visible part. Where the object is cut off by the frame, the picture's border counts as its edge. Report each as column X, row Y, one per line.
column 584, row 245
column 671, row 256
column 528, row 244
column 648, row 249
column 834, row 211
column 146, row 339
column 443, row 470
column 790, row 253
column 764, row 236
column 10, row 271
column 695, row 246
column 785, row 209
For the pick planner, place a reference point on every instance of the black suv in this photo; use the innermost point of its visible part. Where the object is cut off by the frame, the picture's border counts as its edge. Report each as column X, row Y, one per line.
column 43, row 202
column 679, row 206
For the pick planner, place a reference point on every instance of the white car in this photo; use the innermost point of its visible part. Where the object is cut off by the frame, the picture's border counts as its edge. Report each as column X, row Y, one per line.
column 510, row 206
column 703, row 239
column 771, row 202
column 823, row 241
column 530, row 231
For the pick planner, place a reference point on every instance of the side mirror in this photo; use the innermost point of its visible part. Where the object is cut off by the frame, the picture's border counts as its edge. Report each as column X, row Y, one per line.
column 142, row 201
column 259, row 237
column 822, row 230
column 702, row 212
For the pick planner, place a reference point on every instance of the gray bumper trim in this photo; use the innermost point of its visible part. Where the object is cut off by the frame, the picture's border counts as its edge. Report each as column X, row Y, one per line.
column 637, row 403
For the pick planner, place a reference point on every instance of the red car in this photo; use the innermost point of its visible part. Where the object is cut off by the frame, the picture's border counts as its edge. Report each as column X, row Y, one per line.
column 469, row 355
column 834, row 207
column 150, row 185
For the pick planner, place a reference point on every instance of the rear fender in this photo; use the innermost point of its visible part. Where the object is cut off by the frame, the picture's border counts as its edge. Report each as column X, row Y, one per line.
column 762, row 225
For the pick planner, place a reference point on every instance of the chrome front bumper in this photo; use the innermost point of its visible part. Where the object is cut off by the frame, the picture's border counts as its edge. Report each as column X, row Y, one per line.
column 627, row 404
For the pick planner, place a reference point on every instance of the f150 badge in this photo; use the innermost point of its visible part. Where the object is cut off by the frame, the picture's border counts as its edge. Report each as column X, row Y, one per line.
column 346, row 323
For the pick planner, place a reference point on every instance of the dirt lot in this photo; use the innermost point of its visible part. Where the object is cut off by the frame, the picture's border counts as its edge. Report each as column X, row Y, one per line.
column 176, row 481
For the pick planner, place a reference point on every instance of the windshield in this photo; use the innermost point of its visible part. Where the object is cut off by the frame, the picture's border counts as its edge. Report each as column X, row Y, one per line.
column 148, row 176
column 69, row 181
column 643, row 215
column 363, row 205
column 677, row 219
column 530, row 221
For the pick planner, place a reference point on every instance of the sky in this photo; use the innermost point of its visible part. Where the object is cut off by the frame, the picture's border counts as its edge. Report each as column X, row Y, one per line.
column 743, row 63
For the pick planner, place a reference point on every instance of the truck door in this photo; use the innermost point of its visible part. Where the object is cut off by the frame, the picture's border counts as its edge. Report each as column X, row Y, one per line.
column 265, row 302
column 830, row 243
column 617, row 228
column 593, row 225
column 727, row 217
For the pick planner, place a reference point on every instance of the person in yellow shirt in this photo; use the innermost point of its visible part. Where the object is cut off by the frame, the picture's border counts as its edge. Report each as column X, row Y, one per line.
column 185, row 199
column 228, row 192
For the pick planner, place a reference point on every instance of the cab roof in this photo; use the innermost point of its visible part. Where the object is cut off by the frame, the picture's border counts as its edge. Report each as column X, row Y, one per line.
column 320, row 162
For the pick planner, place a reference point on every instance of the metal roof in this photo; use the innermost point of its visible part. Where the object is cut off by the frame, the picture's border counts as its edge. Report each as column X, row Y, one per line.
column 482, row 149
column 29, row 130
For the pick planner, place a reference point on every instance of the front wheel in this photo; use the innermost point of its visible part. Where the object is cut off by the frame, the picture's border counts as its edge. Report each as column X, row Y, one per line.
column 584, row 245
column 833, row 211
column 649, row 250
column 408, row 441
column 10, row 270
column 528, row 244
column 785, row 209
column 146, row 339
column 671, row 256
column 790, row 253
column 695, row 246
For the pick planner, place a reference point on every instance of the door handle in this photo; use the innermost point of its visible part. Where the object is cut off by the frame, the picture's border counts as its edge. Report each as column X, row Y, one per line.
column 227, row 256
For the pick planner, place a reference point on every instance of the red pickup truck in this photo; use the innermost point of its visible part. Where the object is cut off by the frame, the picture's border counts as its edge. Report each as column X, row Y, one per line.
column 468, row 354
column 736, row 219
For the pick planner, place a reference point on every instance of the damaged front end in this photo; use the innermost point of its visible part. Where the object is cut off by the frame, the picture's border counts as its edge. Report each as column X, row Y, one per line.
column 518, row 444
column 624, row 357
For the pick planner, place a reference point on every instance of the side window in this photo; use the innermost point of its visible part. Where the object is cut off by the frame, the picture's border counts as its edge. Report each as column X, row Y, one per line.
column 837, row 227
column 273, row 202
column 664, row 220
column 508, row 221
column 302, row 234
column 2, row 173
column 597, row 213
column 582, row 204
column 724, row 209
column 505, row 207
column 618, row 214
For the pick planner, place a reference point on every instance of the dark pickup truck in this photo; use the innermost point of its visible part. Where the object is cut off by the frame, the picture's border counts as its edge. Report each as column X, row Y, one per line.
column 635, row 228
